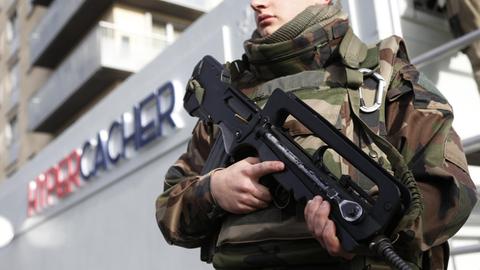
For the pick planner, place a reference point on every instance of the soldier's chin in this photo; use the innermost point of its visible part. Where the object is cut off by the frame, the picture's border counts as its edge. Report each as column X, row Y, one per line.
column 266, row 31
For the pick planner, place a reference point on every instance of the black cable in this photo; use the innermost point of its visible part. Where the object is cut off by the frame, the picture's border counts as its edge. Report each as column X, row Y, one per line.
column 384, row 248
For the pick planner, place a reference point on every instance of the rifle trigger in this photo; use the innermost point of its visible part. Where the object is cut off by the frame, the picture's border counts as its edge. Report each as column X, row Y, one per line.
column 318, row 156
column 240, row 109
column 241, row 118
column 345, row 181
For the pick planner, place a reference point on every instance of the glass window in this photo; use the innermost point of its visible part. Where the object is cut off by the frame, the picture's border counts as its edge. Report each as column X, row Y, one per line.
column 14, row 85
column 11, row 131
column 12, row 33
column 12, row 139
column 14, row 80
column 125, row 41
column 12, row 27
column 158, row 28
column 165, row 32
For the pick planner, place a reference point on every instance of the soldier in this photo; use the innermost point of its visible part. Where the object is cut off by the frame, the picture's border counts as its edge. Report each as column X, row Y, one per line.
column 308, row 47
column 464, row 17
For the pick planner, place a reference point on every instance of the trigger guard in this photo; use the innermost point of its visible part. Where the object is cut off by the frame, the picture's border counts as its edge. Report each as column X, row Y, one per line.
column 318, row 156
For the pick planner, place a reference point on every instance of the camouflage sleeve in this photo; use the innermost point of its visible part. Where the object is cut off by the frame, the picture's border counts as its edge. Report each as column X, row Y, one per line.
column 419, row 124
column 185, row 210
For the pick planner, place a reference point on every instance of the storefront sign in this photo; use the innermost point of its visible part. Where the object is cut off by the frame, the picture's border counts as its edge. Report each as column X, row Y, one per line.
column 147, row 121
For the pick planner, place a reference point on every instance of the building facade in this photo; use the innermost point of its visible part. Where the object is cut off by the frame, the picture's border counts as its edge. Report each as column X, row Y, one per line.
column 88, row 131
column 58, row 58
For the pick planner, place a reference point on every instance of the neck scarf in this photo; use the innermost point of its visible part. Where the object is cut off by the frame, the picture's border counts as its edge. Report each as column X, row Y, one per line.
column 307, row 42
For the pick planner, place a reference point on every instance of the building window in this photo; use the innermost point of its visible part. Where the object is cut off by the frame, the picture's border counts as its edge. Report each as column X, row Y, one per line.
column 13, row 86
column 14, row 77
column 12, row 30
column 12, row 140
column 124, row 43
column 9, row 131
column 166, row 31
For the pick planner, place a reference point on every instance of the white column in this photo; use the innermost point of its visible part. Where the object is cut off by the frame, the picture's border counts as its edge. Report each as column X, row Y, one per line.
column 169, row 33
column 388, row 18
column 227, row 43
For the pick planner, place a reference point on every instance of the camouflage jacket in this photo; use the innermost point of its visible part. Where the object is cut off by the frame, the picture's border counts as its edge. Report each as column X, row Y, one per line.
column 186, row 210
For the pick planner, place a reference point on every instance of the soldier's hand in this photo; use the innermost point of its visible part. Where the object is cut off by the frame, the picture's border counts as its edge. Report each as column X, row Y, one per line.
column 323, row 228
column 236, row 189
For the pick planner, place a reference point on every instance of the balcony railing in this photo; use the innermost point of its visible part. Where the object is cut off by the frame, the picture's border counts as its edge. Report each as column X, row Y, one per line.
column 63, row 26
column 106, row 55
column 128, row 50
column 204, row 5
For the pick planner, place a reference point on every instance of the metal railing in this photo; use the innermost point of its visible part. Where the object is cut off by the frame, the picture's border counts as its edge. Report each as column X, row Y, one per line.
column 471, row 145
column 446, row 49
column 465, row 250
column 129, row 50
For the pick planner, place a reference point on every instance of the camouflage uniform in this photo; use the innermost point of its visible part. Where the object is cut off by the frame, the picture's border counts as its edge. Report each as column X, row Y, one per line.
column 464, row 17
column 276, row 237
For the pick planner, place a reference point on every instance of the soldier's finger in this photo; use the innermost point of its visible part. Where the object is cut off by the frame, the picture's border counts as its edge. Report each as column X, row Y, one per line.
column 263, row 168
column 310, row 210
column 255, row 203
column 312, row 223
column 243, row 209
column 332, row 242
column 261, row 192
column 321, row 219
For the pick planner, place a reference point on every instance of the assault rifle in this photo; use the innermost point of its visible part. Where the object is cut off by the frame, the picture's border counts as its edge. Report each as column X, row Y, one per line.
column 361, row 221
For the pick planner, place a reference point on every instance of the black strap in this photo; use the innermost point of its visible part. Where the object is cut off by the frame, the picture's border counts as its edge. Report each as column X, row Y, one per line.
column 216, row 158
